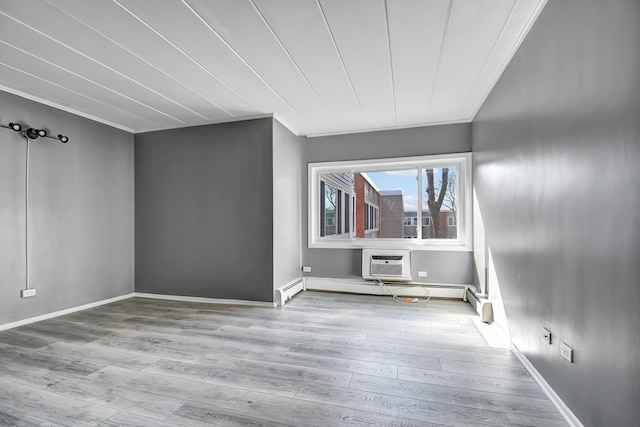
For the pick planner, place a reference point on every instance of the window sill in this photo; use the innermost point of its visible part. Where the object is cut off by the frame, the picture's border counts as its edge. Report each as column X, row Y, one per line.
column 410, row 244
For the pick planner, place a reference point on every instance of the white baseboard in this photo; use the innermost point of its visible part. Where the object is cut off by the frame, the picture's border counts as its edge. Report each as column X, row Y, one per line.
column 357, row 286
column 62, row 312
column 58, row 313
column 551, row 394
column 203, row 299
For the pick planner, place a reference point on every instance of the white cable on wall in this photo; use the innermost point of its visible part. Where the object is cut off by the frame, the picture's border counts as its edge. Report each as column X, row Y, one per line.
column 26, row 215
column 29, row 133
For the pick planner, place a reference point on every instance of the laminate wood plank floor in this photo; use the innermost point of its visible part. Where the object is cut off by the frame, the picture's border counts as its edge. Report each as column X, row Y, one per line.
column 324, row 359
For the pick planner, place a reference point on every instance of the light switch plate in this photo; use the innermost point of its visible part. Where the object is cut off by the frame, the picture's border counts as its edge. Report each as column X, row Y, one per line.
column 546, row 335
column 566, row 352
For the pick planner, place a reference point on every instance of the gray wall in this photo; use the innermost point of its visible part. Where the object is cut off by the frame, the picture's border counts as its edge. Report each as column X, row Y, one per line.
column 441, row 266
column 288, row 152
column 204, row 211
column 556, row 154
column 81, row 213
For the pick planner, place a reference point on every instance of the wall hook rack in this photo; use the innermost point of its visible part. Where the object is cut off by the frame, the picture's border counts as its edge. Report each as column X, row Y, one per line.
column 33, row 133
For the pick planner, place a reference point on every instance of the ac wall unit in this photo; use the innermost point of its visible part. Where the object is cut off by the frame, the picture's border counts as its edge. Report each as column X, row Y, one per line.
column 386, row 264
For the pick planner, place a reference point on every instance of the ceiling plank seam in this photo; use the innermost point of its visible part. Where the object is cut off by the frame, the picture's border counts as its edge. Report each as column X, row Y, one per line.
column 91, row 59
column 444, row 38
column 93, row 82
column 344, row 67
column 295, row 64
column 393, row 80
column 130, row 52
column 77, row 93
column 186, row 56
column 106, row 66
column 57, row 105
column 488, row 58
column 244, row 61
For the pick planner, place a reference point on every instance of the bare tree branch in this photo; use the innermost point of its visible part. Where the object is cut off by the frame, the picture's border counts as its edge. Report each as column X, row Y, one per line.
column 436, row 204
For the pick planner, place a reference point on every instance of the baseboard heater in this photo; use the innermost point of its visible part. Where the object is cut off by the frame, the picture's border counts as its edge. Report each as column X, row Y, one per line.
column 481, row 304
column 285, row 292
column 411, row 289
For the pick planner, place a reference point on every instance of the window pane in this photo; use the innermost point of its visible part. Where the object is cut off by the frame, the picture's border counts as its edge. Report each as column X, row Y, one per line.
column 332, row 218
column 330, row 209
column 394, row 200
column 440, row 202
column 384, row 197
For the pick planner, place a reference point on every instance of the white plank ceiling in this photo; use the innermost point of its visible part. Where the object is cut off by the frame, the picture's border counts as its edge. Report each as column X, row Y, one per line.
column 319, row 66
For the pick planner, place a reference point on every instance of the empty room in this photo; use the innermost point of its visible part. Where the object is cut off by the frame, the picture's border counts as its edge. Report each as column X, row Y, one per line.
column 319, row 213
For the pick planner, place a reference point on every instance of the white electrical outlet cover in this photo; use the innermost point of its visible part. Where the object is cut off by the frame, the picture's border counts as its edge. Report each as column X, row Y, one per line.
column 566, row 352
column 25, row 293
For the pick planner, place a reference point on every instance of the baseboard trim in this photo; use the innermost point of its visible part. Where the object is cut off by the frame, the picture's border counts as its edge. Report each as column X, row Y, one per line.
column 357, row 286
column 551, row 394
column 203, row 299
column 58, row 313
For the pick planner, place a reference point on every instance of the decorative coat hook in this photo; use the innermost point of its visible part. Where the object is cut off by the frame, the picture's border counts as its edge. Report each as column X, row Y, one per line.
column 33, row 133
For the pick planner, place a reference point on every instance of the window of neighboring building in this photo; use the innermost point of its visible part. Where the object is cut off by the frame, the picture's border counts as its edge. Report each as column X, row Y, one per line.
column 347, row 202
column 366, row 216
column 330, row 206
column 370, row 217
column 353, row 201
column 334, row 221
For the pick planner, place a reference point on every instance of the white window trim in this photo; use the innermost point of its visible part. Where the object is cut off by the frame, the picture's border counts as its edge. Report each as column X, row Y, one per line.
column 465, row 234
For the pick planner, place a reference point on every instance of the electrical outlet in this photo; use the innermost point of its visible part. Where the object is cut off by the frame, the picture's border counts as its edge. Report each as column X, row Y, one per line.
column 546, row 335
column 26, row 293
column 306, row 269
column 422, row 274
column 566, row 352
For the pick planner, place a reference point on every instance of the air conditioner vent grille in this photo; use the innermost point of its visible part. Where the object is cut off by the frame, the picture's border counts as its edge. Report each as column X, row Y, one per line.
column 386, row 264
column 386, row 269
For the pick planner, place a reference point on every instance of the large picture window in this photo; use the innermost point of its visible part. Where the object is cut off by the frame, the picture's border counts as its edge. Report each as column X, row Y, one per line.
column 411, row 202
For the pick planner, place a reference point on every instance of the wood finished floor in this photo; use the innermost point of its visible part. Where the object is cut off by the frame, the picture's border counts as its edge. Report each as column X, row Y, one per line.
column 322, row 360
